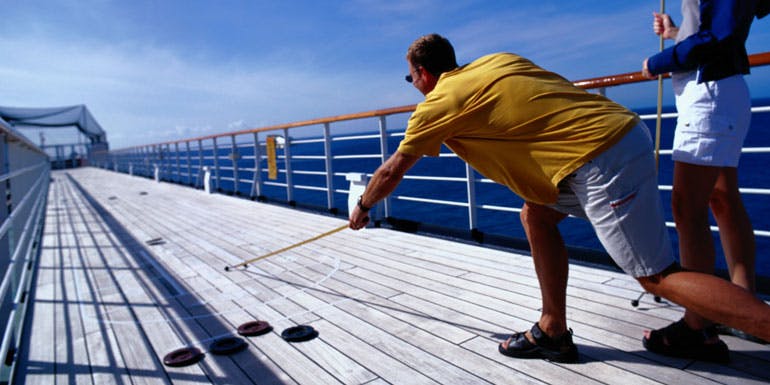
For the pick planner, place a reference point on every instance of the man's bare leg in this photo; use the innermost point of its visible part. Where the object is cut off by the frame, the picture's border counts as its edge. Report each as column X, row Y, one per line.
column 549, row 254
column 712, row 297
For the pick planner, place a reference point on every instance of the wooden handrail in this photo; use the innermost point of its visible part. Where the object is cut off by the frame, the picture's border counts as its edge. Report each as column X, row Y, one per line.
column 755, row 60
column 759, row 59
column 614, row 80
column 330, row 119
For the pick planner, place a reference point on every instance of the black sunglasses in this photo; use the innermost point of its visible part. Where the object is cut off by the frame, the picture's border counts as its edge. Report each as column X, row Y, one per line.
column 409, row 77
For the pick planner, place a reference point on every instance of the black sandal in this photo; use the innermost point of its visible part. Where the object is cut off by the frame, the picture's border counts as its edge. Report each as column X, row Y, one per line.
column 560, row 349
column 678, row 340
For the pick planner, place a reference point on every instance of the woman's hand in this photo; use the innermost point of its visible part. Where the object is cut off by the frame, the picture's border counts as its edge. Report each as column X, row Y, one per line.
column 663, row 26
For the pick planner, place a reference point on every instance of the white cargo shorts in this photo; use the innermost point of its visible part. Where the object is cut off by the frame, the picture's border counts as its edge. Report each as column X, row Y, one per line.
column 714, row 118
column 618, row 193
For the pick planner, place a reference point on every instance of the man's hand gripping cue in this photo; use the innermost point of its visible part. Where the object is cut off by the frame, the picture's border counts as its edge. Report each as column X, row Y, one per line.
column 383, row 182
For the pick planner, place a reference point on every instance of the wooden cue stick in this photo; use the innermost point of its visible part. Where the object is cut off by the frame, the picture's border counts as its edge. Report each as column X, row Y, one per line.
column 317, row 237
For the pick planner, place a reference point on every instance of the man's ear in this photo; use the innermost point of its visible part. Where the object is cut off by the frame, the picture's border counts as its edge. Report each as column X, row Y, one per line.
column 430, row 79
column 426, row 73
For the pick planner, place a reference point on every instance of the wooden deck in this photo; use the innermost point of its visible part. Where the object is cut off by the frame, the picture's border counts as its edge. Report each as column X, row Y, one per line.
column 390, row 307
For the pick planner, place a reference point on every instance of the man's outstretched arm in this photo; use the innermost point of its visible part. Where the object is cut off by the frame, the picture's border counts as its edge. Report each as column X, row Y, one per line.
column 383, row 182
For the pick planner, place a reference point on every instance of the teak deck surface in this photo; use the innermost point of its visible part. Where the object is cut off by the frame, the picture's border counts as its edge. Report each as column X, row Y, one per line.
column 390, row 307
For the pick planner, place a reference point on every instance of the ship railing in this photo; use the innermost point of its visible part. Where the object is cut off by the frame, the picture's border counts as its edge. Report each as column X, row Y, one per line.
column 235, row 163
column 24, row 180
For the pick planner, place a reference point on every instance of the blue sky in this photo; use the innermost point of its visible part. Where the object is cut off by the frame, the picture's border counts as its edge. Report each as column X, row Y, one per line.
column 154, row 71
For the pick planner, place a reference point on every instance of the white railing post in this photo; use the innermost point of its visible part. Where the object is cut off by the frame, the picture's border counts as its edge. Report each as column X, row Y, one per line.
column 235, row 156
column 256, row 182
column 329, row 167
column 189, row 163
column 199, row 181
column 145, row 160
column 357, row 187
column 471, row 186
column 207, row 179
column 383, row 157
column 158, row 152
column 178, row 163
column 216, row 164
column 287, row 163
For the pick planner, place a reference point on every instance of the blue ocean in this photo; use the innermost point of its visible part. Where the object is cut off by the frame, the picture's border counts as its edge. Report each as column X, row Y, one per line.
column 753, row 173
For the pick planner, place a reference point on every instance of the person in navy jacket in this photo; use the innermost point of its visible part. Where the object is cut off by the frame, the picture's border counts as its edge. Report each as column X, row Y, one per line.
column 707, row 64
column 717, row 49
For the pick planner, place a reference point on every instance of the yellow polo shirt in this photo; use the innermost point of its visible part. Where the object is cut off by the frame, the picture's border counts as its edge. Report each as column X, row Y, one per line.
column 516, row 123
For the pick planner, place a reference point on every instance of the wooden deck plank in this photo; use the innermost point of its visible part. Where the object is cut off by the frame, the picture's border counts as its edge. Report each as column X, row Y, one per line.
column 75, row 348
column 390, row 307
column 433, row 317
column 109, row 364
column 487, row 310
column 218, row 283
column 342, row 365
column 42, row 326
column 629, row 343
column 132, row 340
column 483, row 283
column 443, row 360
column 132, row 346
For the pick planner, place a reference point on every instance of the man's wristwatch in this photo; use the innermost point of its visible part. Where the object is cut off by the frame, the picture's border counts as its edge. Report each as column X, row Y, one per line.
column 361, row 206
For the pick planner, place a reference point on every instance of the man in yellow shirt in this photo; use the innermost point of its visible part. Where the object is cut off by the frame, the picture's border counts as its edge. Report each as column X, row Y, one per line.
column 565, row 151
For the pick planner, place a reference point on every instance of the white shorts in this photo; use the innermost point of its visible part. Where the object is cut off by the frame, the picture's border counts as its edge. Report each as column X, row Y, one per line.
column 618, row 193
column 714, row 118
